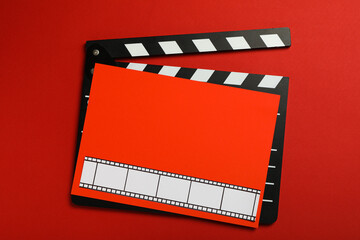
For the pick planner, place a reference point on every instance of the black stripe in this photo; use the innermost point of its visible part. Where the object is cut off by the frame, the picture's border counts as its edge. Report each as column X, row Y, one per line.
column 186, row 73
column 152, row 68
column 252, row 81
column 218, row 77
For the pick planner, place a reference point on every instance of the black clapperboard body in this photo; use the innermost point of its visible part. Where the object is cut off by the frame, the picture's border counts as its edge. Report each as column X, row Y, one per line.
column 107, row 51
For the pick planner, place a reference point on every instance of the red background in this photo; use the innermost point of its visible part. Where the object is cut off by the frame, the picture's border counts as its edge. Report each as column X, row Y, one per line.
column 41, row 62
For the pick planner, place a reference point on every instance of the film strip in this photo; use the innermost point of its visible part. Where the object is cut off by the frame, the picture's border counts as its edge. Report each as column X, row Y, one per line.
column 108, row 51
column 170, row 188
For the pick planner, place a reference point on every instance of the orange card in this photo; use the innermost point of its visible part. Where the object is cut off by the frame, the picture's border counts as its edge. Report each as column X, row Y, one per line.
column 176, row 145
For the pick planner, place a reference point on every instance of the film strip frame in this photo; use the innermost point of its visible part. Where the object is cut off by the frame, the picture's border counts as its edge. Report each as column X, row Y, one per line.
column 108, row 51
column 220, row 210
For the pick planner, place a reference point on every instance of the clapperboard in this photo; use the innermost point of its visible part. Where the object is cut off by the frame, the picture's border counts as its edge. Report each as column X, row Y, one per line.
column 107, row 51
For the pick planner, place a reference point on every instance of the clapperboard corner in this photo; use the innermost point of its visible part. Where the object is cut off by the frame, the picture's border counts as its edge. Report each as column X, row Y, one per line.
column 109, row 51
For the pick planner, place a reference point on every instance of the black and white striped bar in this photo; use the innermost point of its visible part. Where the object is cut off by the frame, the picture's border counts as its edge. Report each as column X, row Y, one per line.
column 196, row 43
column 170, row 188
column 207, row 75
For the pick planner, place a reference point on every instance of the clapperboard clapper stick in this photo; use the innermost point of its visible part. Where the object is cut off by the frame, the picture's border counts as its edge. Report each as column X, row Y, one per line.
column 106, row 51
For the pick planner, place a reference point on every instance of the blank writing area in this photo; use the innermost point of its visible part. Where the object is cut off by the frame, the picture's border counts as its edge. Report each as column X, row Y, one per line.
column 173, row 188
column 205, row 195
column 238, row 201
column 142, row 182
column 110, row 176
column 87, row 175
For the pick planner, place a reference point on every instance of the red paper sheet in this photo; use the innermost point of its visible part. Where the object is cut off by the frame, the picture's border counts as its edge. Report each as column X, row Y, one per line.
column 176, row 145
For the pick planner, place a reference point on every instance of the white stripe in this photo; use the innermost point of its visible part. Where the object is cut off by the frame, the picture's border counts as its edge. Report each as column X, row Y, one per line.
column 267, row 200
column 269, row 183
column 136, row 49
column 272, row 40
column 270, row 81
column 236, row 78
column 274, row 150
column 170, row 47
column 169, row 71
column 238, row 43
column 202, row 75
column 278, row 114
column 271, row 166
column 87, row 96
column 204, row 45
column 136, row 66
